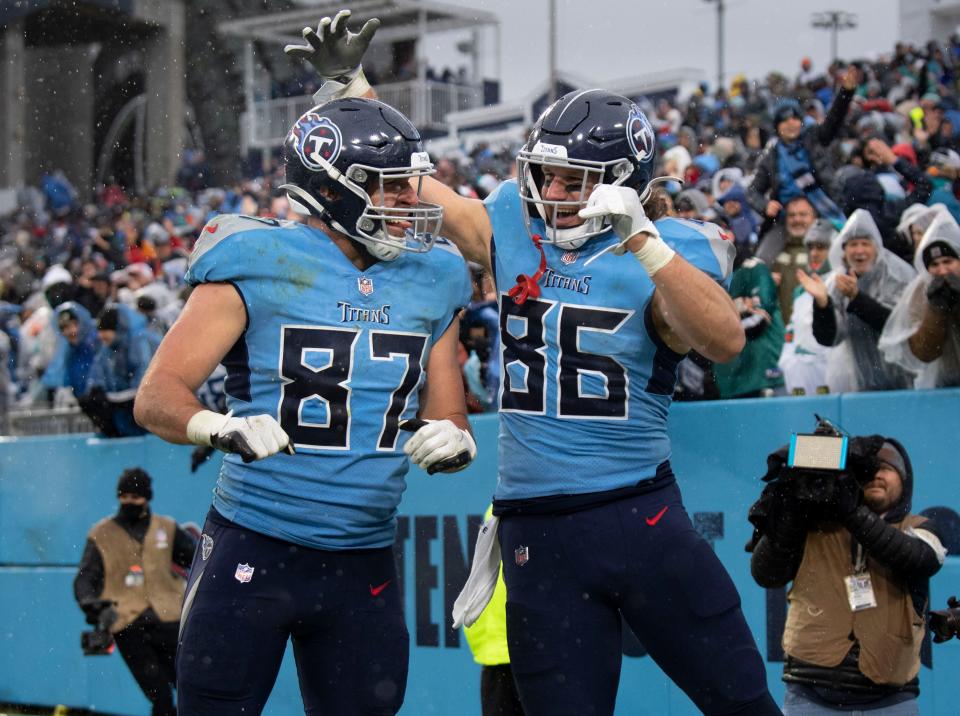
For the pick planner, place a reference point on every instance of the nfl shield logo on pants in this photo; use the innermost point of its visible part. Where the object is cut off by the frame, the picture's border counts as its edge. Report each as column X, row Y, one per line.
column 206, row 546
column 244, row 573
column 365, row 285
column 521, row 555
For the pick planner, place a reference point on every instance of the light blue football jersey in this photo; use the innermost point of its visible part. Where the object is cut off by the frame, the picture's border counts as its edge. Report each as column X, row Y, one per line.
column 586, row 381
column 337, row 356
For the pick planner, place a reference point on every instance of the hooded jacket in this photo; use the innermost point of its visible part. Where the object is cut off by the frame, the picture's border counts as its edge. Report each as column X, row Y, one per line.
column 907, row 315
column 71, row 364
column 118, row 368
column 863, row 190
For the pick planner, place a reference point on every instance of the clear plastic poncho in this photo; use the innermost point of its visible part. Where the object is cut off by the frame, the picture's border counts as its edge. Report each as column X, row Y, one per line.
column 855, row 362
column 919, row 215
column 908, row 314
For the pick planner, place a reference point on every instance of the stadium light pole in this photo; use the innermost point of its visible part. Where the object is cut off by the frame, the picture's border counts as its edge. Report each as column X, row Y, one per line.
column 720, row 9
column 552, row 49
column 833, row 20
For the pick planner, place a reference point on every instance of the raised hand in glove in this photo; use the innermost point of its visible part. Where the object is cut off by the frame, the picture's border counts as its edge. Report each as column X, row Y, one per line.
column 252, row 438
column 620, row 206
column 943, row 293
column 438, row 445
column 334, row 51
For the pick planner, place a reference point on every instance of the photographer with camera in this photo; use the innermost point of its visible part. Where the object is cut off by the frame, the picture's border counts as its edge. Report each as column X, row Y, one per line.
column 860, row 565
column 129, row 591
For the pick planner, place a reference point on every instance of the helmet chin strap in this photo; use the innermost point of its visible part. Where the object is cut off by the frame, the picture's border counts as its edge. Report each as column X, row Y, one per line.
column 380, row 250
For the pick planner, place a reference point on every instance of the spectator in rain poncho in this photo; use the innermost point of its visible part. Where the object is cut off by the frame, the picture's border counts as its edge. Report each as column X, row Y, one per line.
column 803, row 360
column 117, row 370
column 37, row 344
column 922, row 334
column 914, row 222
column 851, row 308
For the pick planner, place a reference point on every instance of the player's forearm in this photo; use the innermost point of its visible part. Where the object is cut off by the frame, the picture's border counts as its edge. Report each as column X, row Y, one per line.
column 164, row 406
column 699, row 311
column 465, row 221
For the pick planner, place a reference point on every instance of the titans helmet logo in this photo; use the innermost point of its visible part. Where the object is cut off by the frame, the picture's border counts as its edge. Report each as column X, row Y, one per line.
column 316, row 138
column 640, row 135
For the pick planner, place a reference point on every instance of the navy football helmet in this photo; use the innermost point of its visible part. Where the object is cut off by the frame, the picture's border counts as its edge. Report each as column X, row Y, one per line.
column 339, row 155
column 603, row 135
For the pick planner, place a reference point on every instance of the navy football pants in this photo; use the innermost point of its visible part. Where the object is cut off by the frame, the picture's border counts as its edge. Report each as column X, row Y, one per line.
column 639, row 557
column 343, row 611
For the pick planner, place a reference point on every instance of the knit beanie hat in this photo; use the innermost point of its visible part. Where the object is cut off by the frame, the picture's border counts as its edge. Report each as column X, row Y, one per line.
column 134, row 481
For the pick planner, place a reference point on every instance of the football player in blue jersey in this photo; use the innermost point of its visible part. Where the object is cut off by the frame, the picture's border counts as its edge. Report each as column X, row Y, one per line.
column 599, row 302
column 337, row 335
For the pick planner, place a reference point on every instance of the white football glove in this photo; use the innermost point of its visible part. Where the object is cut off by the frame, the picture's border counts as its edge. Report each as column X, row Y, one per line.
column 334, row 51
column 252, row 438
column 622, row 208
column 438, row 445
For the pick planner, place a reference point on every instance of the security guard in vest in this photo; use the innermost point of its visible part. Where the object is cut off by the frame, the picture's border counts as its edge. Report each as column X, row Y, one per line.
column 860, row 565
column 129, row 560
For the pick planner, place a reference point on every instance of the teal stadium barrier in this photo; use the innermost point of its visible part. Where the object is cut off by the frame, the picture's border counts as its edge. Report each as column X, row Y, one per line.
column 52, row 489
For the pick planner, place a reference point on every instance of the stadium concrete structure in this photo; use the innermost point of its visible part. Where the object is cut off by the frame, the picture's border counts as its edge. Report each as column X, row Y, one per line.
column 923, row 20
column 56, row 57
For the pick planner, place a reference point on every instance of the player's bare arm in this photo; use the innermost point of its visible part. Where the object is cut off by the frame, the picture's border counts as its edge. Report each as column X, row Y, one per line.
column 442, row 396
column 465, row 221
column 443, row 441
column 211, row 323
column 690, row 309
column 212, row 320
column 697, row 313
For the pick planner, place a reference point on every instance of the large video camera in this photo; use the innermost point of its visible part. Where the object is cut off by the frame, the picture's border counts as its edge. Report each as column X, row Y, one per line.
column 98, row 641
column 945, row 623
column 815, row 460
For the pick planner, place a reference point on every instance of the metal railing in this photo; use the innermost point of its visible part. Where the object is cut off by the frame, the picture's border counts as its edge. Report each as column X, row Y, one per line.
column 48, row 421
column 426, row 104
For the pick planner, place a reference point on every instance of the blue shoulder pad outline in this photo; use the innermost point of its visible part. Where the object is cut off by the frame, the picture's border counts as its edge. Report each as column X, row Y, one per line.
column 704, row 245
column 225, row 225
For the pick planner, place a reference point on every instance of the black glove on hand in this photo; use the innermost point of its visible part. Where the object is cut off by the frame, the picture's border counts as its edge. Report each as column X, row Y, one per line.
column 789, row 517
column 862, row 457
column 94, row 608
column 943, row 293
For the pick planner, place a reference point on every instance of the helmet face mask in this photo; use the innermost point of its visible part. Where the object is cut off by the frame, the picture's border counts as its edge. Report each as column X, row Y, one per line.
column 533, row 168
column 605, row 139
column 349, row 181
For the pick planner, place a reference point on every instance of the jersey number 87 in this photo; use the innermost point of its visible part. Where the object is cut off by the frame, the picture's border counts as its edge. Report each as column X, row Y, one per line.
column 331, row 384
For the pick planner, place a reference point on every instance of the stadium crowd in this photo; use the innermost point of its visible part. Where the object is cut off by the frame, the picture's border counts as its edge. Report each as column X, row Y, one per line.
column 839, row 189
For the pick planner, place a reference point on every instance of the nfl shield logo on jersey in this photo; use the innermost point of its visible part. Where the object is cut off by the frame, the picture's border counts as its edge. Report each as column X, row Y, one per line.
column 244, row 573
column 365, row 285
column 569, row 257
column 521, row 555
